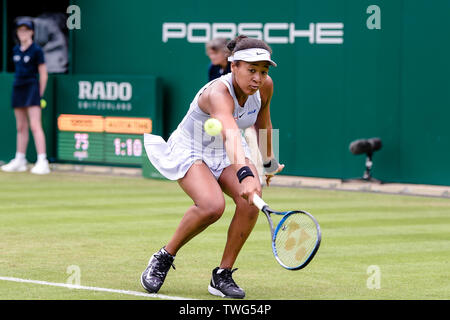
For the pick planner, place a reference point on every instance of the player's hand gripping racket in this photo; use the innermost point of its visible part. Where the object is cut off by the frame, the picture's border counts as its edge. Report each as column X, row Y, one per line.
column 296, row 238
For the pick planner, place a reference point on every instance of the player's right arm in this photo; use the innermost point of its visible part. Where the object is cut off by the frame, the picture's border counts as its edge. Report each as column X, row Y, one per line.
column 219, row 104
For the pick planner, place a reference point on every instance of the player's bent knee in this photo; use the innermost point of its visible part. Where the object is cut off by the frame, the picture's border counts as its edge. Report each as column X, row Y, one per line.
column 213, row 211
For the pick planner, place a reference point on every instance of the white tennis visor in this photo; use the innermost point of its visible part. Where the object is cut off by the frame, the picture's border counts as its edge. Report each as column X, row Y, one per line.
column 252, row 55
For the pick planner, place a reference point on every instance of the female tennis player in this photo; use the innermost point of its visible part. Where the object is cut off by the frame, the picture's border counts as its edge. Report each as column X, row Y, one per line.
column 206, row 166
column 217, row 52
column 28, row 89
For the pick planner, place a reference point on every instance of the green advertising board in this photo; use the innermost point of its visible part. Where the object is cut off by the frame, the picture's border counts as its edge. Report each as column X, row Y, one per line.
column 346, row 70
column 102, row 119
column 341, row 75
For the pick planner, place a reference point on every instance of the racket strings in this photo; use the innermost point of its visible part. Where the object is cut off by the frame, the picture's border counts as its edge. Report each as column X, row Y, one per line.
column 296, row 239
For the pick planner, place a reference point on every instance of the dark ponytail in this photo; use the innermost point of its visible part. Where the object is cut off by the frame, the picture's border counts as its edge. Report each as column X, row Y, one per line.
column 231, row 45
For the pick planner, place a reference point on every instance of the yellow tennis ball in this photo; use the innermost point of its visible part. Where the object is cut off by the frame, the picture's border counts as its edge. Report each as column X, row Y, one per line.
column 213, row 126
column 43, row 103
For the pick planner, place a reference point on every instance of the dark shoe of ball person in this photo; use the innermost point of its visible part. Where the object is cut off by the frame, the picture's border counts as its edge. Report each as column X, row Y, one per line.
column 223, row 285
column 158, row 266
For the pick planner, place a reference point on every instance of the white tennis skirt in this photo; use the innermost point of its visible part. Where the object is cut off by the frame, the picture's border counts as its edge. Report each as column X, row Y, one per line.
column 174, row 157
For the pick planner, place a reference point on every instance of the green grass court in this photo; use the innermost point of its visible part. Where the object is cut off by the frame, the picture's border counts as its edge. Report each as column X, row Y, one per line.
column 109, row 226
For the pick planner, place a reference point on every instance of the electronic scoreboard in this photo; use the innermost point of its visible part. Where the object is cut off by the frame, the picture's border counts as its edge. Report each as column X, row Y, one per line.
column 102, row 119
column 91, row 138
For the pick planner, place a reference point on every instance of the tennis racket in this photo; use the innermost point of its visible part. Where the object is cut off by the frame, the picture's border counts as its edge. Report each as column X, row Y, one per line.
column 296, row 238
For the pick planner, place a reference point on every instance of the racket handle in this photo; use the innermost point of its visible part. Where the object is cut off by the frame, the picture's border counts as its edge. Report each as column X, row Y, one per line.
column 258, row 202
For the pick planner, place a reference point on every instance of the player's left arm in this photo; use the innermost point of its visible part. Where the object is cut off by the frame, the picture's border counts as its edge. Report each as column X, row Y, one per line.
column 264, row 123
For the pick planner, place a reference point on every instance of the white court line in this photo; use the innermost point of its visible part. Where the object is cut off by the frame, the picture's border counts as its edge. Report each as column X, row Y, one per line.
column 78, row 287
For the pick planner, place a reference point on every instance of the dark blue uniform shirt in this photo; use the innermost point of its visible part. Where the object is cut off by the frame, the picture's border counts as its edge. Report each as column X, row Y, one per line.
column 26, row 63
column 215, row 72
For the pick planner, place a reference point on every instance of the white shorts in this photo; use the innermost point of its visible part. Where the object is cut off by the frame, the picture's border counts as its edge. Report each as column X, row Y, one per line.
column 174, row 157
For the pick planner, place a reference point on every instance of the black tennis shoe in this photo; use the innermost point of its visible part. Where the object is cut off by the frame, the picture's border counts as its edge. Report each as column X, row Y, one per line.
column 223, row 285
column 158, row 266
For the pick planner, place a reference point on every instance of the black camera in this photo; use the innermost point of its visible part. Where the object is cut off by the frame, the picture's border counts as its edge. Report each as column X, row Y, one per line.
column 367, row 147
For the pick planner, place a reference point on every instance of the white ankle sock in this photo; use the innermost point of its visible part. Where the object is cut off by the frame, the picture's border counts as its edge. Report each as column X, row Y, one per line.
column 42, row 157
column 20, row 156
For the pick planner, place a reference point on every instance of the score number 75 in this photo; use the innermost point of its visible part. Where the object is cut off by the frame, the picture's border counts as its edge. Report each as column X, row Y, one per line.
column 81, row 141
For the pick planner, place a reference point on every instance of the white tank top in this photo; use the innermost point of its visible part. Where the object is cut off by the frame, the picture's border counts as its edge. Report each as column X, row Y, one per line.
column 245, row 116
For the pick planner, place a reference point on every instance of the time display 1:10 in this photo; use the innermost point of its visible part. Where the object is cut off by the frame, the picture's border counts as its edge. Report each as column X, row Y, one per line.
column 128, row 147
